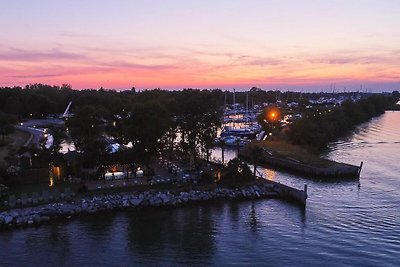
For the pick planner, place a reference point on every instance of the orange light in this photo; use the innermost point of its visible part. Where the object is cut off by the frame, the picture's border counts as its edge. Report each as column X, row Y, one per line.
column 57, row 171
column 273, row 116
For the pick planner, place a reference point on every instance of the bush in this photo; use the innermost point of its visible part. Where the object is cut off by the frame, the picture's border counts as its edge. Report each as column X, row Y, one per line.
column 237, row 170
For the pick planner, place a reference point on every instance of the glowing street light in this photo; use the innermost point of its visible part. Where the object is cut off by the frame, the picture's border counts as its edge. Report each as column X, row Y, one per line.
column 273, row 115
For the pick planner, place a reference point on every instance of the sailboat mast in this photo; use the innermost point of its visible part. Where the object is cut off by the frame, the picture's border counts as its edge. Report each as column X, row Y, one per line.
column 247, row 103
column 225, row 101
column 234, row 97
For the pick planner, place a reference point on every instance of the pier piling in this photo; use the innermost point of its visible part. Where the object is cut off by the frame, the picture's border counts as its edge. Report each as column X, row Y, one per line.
column 359, row 169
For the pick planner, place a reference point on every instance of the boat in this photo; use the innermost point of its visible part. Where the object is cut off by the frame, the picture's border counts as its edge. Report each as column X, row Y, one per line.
column 232, row 140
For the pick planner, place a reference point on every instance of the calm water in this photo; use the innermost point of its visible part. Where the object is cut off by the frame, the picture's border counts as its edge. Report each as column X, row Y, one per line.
column 344, row 224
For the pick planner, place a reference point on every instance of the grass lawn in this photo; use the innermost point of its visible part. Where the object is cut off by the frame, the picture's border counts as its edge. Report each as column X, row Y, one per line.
column 282, row 149
column 12, row 142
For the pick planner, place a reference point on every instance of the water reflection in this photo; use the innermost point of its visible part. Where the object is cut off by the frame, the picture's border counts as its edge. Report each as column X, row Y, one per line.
column 233, row 211
column 270, row 174
column 155, row 234
column 253, row 218
column 229, row 154
column 98, row 223
column 59, row 244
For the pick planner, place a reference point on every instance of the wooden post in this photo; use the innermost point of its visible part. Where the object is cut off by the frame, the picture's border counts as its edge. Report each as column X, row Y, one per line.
column 359, row 169
column 305, row 194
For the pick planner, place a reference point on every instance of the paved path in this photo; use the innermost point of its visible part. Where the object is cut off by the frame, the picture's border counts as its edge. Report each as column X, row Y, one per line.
column 36, row 128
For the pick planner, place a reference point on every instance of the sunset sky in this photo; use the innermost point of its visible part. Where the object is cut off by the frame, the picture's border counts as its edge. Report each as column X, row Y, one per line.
column 174, row 44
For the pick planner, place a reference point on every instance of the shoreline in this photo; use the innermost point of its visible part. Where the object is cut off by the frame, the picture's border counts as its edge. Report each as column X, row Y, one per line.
column 337, row 170
column 317, row 167
column 46, row 213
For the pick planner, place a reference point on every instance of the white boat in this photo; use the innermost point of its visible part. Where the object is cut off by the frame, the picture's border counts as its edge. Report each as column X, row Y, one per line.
column 233, row 140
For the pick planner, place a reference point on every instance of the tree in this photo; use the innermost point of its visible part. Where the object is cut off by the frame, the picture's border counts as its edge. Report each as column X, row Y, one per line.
column 145, row 127
column 255, row 154
column 6, row 125
column 86, row 123
column 237, row 171
column 198, row 118
column 222, row 145
column 13, row 105
column 86, row 130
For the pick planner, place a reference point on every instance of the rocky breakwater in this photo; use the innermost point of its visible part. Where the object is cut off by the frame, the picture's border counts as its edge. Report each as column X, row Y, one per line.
column 124, row 201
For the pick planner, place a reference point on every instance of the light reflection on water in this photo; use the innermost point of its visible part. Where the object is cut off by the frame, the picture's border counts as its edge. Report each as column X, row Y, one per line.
column 270, row 174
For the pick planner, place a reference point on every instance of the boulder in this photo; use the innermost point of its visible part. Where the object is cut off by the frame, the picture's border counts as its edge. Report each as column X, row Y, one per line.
column 8, row 219
column 84, row 206
column 136, row 201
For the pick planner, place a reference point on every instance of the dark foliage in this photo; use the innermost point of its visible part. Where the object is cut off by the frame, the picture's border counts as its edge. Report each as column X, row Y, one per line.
column 315, row 131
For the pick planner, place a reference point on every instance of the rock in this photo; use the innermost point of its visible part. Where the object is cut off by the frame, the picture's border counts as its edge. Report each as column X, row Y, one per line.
column 8, row 219
column 136, row 201
column 84, row 206
column 244, row 192
column 165, row 199
column 36, row 218
column 19, row 220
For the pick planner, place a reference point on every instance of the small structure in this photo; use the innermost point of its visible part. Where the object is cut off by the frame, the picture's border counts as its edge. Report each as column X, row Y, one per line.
column 121, row 171
column 116, row 171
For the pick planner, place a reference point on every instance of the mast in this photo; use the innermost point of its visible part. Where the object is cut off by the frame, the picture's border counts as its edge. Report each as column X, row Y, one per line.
column 234, row 97
column 247, row 103
column 66, row 112
column 225, row 101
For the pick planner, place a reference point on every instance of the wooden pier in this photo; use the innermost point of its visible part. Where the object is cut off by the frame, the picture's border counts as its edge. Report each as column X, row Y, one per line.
column 334, row 170
column 288, row 193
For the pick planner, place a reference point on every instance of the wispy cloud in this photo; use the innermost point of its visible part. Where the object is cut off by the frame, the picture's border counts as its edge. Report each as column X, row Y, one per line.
column 76, row 35
column 41, row 75
column 134, row 66
column 16, row 54
column 185, row 67
column 357, row 57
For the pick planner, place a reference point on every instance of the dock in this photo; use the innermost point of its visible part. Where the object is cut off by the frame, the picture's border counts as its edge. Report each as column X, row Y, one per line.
column 290, row 193
column 332, row 170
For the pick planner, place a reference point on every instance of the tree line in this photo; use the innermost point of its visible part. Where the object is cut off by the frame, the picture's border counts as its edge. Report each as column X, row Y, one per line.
column 153, row 120
column 315, row 130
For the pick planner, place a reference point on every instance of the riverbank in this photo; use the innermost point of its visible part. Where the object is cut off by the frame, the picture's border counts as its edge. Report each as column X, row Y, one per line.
column 45, row 213
column 12, row 142
column 280, row 154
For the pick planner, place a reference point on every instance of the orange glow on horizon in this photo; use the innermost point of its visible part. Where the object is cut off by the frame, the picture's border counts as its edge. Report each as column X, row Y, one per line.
column 207, row 74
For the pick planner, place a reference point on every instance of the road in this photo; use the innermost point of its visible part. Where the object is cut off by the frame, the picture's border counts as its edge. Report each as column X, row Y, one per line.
column 36, row 128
